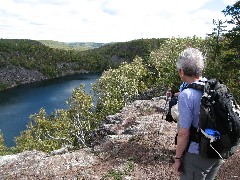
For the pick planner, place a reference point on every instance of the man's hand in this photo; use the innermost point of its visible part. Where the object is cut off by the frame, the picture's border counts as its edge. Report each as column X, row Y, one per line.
column 177, row 166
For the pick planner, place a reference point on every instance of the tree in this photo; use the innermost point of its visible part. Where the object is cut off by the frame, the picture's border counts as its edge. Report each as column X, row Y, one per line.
column 164, row 59
column 116, row 87
column 231, row 58
column 216, row 42
column 216, row 36
column 234, row 34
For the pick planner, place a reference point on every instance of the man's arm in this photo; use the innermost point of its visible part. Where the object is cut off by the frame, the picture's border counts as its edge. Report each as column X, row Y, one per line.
column 182, row 141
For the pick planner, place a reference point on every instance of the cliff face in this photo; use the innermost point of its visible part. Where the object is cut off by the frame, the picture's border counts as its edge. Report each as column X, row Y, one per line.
column 139, row 144
column 13, row 75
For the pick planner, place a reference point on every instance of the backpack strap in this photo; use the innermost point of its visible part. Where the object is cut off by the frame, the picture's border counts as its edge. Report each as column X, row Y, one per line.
column 199, row 87
column 194, row 133
column 194, row 136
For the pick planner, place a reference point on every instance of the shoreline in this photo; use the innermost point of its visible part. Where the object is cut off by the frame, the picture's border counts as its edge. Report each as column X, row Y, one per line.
column 12, row 76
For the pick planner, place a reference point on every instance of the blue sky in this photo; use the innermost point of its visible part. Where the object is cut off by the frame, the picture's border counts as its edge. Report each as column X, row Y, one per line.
column 108, row 20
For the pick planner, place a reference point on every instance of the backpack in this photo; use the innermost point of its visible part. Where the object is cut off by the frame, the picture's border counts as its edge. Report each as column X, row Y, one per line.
column 218, row 133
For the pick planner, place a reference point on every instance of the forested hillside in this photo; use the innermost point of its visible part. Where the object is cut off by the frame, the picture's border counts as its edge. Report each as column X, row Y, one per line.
column 81, row 46
column 54, row 59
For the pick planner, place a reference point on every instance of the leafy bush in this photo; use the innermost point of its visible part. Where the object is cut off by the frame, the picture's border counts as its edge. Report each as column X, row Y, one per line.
column 2, row 145
column 5, row 150
column 82, row 120
column 116, row 87
column 37, row 136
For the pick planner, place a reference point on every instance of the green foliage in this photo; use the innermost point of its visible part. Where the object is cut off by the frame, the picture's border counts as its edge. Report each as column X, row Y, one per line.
column 117, row 174
column 3, row 86
column 233, row 34
column 231, row 75
column 127, row 51
column 163, row 60
column 37, row 134
column 4, row 150
column 230, row 56
column 2, row 145
column 118, row 86
column 81, row 116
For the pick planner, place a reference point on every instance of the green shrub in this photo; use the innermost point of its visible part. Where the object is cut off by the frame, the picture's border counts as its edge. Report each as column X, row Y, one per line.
column 2, row 145
column 118, row 86
column 3, row 86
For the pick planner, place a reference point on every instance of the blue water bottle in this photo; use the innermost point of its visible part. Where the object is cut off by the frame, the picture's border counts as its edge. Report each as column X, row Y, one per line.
column 213, row 133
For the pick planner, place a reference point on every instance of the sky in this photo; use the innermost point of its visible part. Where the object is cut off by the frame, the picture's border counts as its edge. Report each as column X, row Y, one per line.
column 106, row 21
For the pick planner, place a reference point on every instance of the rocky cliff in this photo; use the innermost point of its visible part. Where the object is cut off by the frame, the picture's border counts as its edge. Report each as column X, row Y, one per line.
column 139, row 144
column 13, row 76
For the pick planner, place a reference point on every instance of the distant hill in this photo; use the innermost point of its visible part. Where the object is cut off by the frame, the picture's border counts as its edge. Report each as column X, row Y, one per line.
column 89, row 45
column 81, row 46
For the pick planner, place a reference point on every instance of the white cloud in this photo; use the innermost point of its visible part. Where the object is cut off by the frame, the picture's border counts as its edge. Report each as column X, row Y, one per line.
column 105, row 20
column 229, row 2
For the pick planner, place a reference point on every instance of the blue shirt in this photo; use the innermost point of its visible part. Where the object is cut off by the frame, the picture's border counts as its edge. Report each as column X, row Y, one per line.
column 189, row 107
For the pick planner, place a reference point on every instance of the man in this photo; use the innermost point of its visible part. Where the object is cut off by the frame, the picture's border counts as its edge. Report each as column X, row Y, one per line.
column 188, row 163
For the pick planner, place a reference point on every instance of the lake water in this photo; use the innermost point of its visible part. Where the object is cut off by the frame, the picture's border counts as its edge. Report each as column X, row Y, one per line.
column 17, row 104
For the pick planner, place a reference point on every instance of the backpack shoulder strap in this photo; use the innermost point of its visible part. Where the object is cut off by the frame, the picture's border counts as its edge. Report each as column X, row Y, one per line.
column 199, row 87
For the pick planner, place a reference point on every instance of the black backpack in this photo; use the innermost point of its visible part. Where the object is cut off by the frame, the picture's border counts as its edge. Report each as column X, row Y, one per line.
column 218, row 134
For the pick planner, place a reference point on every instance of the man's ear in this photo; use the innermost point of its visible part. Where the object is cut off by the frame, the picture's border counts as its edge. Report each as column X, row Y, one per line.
column 181, row 72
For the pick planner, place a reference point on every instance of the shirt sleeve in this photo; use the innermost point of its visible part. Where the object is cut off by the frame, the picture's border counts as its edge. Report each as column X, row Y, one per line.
column 185, row 108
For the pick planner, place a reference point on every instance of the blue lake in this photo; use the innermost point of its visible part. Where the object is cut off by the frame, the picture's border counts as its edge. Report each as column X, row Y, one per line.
column 17, row 104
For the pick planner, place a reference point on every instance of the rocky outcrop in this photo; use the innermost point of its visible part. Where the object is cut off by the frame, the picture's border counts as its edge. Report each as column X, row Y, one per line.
column 138, row 144
column 13, row 76
column 39, row 165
